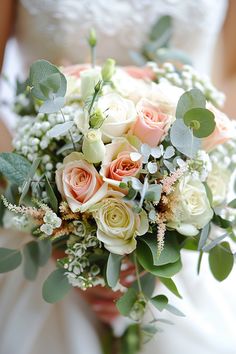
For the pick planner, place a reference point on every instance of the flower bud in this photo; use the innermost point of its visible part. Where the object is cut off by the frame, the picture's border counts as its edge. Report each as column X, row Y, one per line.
column 108, row 69
column 89, row 79
column 97, row 119
column 92, row 39
column 93, row 148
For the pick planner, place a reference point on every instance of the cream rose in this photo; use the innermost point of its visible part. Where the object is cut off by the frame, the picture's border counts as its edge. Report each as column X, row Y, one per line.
column 118, row 163
column 117, row 224
column 79, row 183
column 192, row 210
column 218, row 180
column 224, row 130
column 152, row 124
column 119, row 113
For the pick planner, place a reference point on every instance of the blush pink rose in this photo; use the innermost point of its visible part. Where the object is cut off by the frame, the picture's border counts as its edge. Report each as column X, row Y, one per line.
column 123, row 166
column 151, row 125
column 79, row 183
column 75, row 70
column 224, row 130
column 139, row 72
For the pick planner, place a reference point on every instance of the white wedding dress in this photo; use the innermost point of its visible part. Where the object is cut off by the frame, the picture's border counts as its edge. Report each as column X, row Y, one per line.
column 56, row 30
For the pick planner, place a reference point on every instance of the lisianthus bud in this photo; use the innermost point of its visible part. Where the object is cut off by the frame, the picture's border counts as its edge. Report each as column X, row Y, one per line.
column 108, row 69
column 92, row 39
column 97, row 119
column 93, row 148
column 89, row 79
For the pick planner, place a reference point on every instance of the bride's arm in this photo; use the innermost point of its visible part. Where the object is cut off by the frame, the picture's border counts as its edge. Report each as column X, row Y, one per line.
column 228, row 54
column 7, row 8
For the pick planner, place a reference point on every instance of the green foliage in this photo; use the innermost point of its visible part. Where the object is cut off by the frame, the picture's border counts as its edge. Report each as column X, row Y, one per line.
column 27, row 182
column 221, row 222
column 193, row 98
column 36, row 254
column 53, row 105
column 60, row 129
column 56, row 286
column 146, row 260
column 203, row 236
column 126, row 302
column 10, row 259
column 148, row 284
column 153, row 193
column 113, row 269
column 46, row 81
column 232, row 204
column 130, row 340
column 51, row 195
column 221, row 261
column 14, row 167
column 169, row 283
column 183, row 140
column 201, row 121
column 215, row 242
column 160, row 302
column 174, row 310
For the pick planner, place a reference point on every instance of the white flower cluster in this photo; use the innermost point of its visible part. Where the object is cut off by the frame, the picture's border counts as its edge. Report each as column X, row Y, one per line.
column 32, row 141
column 201, row 166
column 51, row 222
column 78, row 269
column 188, row 78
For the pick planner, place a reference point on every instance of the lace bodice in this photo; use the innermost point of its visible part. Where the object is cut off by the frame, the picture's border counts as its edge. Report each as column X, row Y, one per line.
column 57, row 29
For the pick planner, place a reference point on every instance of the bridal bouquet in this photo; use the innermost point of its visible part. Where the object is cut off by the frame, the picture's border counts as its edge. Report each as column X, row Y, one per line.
column 119, row 168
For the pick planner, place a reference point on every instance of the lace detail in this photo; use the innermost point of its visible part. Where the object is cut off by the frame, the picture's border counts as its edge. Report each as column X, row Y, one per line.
column 57, row 29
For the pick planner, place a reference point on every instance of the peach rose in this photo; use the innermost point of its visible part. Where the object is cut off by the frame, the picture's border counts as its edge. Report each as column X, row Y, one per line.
column 140, row 72
column 152, row 123
column 224, row 130
column 79, row 183
column 118, row 163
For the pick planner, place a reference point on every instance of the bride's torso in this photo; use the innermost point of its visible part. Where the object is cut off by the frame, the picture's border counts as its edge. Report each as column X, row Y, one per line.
column 57, row 29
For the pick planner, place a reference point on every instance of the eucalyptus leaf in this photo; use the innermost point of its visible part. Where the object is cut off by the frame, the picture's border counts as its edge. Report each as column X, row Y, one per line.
column 172, row 54
column 169, row 283
column 153, row 193
column 27, row 183
column 113, row 269
column 60, row 129
column 14, row 167
column 162, row 30
column 31, row 260
column 160, row 302
column 221, row 261
column 56, row 286
column 215, row 242
column 169, row 152
column 174, row 310
column 10, row 259
column 232, row 204
column 221, row 222
column 193, row 98
column 52, row 105
column 45, row 251
column 201, row 120
column 148, row 284
column 203, row 236
column 126, row 302
column 183, row 140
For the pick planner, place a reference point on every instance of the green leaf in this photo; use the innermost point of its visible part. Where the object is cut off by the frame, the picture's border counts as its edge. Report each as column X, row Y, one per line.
column 43, row 82
column 203, row 237
column 148, row 284
column 27, row 183
column 146, row 260
column 219, row 221
column 113, row 269
column 214, row 242
column 153, row 193
column 9, row 259
column 193, row 98
column 14, row 167
column 45, row 251
column 209, row 193
column 31, row 260
column 51, row 195
column 174, row 310
column 183, row 140
column 56, row 286
column 169, row 283
column 170, row 253
column 232, row 204
column 148, row 332
column 221, row 261
column 126, row 302
column 52, row 105
column 172, row 54
column 162, row 31
column 60, row 129
column 201, row 121
column 132, row 193
column 160, row 302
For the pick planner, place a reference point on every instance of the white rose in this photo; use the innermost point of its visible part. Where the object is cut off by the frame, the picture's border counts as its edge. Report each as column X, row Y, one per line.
column 192, row 210
column 119, row 113
column 218, row 180
column 117, row 224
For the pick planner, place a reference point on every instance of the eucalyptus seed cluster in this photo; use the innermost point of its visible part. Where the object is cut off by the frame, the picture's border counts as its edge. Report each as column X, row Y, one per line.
column 79, row 270
column 188, row 78
column 32, row 139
